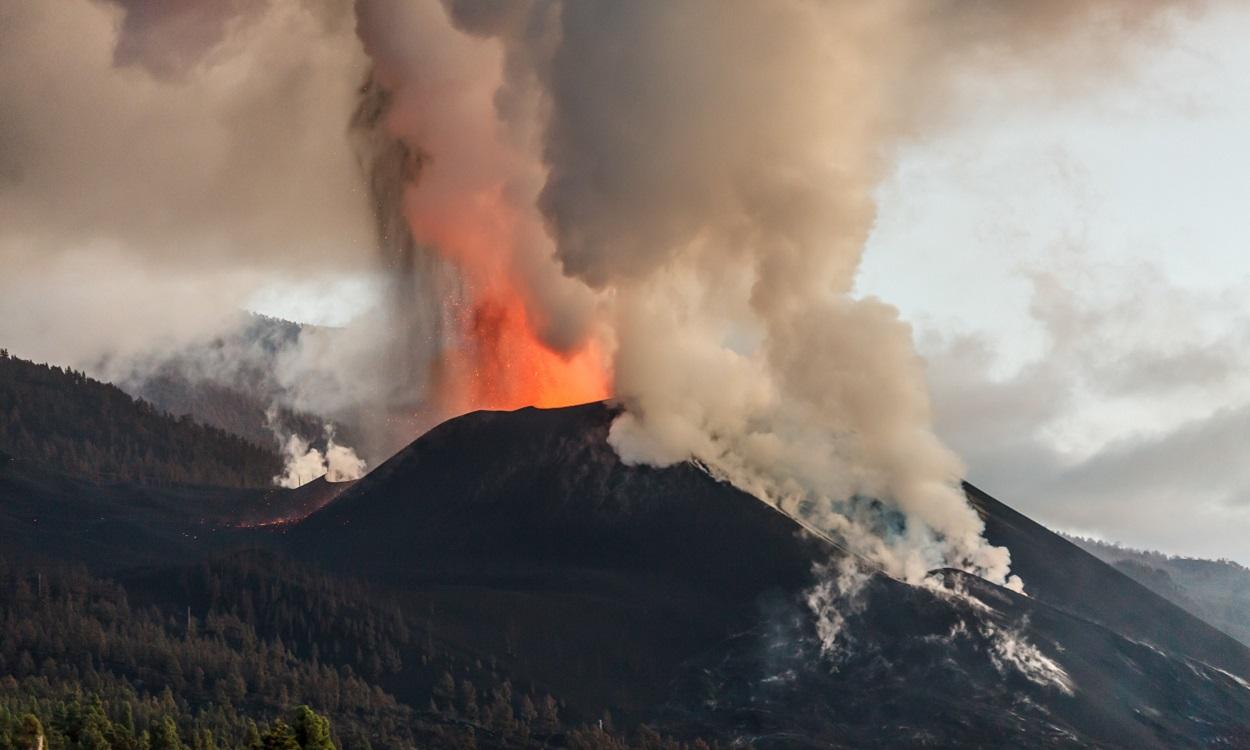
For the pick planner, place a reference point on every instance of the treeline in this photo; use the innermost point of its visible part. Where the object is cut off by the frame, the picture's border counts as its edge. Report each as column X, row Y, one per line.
column 67, row 421
column 63, row 631
column 216, row 654
column 38, row 718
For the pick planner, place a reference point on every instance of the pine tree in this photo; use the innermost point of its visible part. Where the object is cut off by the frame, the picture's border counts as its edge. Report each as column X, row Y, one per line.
column 30, row 734
column 279, row 737
column 312, row 730
column 165, row 735
column 251, row 737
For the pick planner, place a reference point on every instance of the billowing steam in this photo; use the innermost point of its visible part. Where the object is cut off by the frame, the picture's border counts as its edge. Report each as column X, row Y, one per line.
column 703, row 174
column 303, row 463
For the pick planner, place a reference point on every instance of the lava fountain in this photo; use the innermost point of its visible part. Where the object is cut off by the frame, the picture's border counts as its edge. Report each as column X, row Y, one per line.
column 497, row 358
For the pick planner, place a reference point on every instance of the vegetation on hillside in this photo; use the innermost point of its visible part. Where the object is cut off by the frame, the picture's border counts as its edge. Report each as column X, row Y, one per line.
column 67, row 421
column 225, row 654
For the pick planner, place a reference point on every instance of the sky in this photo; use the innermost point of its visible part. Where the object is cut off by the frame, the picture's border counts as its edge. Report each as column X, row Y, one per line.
column 1077, row 276
column 1073, row 264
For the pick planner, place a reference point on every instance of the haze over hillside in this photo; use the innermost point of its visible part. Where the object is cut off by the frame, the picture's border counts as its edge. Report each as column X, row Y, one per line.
column 1218, row 591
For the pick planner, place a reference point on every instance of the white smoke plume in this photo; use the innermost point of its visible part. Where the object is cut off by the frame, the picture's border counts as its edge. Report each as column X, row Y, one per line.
column 706, row 170
column 303, row 463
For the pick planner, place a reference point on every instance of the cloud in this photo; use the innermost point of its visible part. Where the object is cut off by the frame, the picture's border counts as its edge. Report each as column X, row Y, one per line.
column 1133, row 423
column 198, row 140
column 162, row 163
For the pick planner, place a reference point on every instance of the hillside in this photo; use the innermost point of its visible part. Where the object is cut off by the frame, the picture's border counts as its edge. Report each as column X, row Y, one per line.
column 66, row 421
column 1218, row 591
column 48, row 515
column 229, row 382
column 219, row 654
column 227, row 408
column 507, row 582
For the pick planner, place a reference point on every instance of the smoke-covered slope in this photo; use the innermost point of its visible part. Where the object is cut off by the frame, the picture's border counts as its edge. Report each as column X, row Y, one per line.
column 667, row 596
column 229, row 381
column 1067, row 577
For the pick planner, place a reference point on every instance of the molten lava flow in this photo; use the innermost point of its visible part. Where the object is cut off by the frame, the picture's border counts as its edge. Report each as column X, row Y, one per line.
column 497, row 360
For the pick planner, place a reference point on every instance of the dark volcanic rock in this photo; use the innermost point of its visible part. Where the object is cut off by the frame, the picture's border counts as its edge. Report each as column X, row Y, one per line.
column 1065, row 576
column 498, row 497
column 521, row 543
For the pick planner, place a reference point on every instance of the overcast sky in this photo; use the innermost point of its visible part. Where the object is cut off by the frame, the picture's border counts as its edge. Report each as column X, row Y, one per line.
column 1075, row 267
column 1078, row 275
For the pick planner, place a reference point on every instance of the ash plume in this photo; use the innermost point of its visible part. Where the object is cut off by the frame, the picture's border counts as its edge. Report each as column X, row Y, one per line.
column 420, row 288
column 705, row 170
column 473, row 261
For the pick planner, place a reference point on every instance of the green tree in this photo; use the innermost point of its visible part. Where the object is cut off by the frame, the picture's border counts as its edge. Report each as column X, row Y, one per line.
column 280, row 736
column 312, row 731
column 30, row 733
column 251, row 737
column 165, row 735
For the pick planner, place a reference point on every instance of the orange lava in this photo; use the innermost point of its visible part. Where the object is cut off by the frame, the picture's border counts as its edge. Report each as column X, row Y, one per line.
column 502, row 362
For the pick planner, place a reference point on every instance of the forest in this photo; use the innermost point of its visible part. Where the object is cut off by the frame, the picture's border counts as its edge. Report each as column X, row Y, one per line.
column 69, row 422
column 255, row 651
column 245, row 649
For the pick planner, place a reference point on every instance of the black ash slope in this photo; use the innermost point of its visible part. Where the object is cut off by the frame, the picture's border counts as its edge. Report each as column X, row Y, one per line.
column 1067, row 577
column 665, row 595
column 500, row 497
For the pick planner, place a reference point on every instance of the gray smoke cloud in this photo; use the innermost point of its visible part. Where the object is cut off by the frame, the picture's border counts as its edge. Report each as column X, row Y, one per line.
column 1177, row 479
column 161, row 162
column 709, row 171
column 191, row 135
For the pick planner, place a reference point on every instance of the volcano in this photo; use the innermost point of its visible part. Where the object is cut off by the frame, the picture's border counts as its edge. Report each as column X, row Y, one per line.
column 673, row 598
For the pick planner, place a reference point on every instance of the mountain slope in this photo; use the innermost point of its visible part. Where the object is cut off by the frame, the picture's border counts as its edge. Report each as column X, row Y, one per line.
column 230, row 381
column 109, row 525
column 1218, row 591
column 497, row 495
column 667, row 596
column 1065, row 576
column 75, row 424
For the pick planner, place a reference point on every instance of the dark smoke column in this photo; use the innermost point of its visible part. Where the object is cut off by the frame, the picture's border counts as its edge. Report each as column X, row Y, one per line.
column 421, row 287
